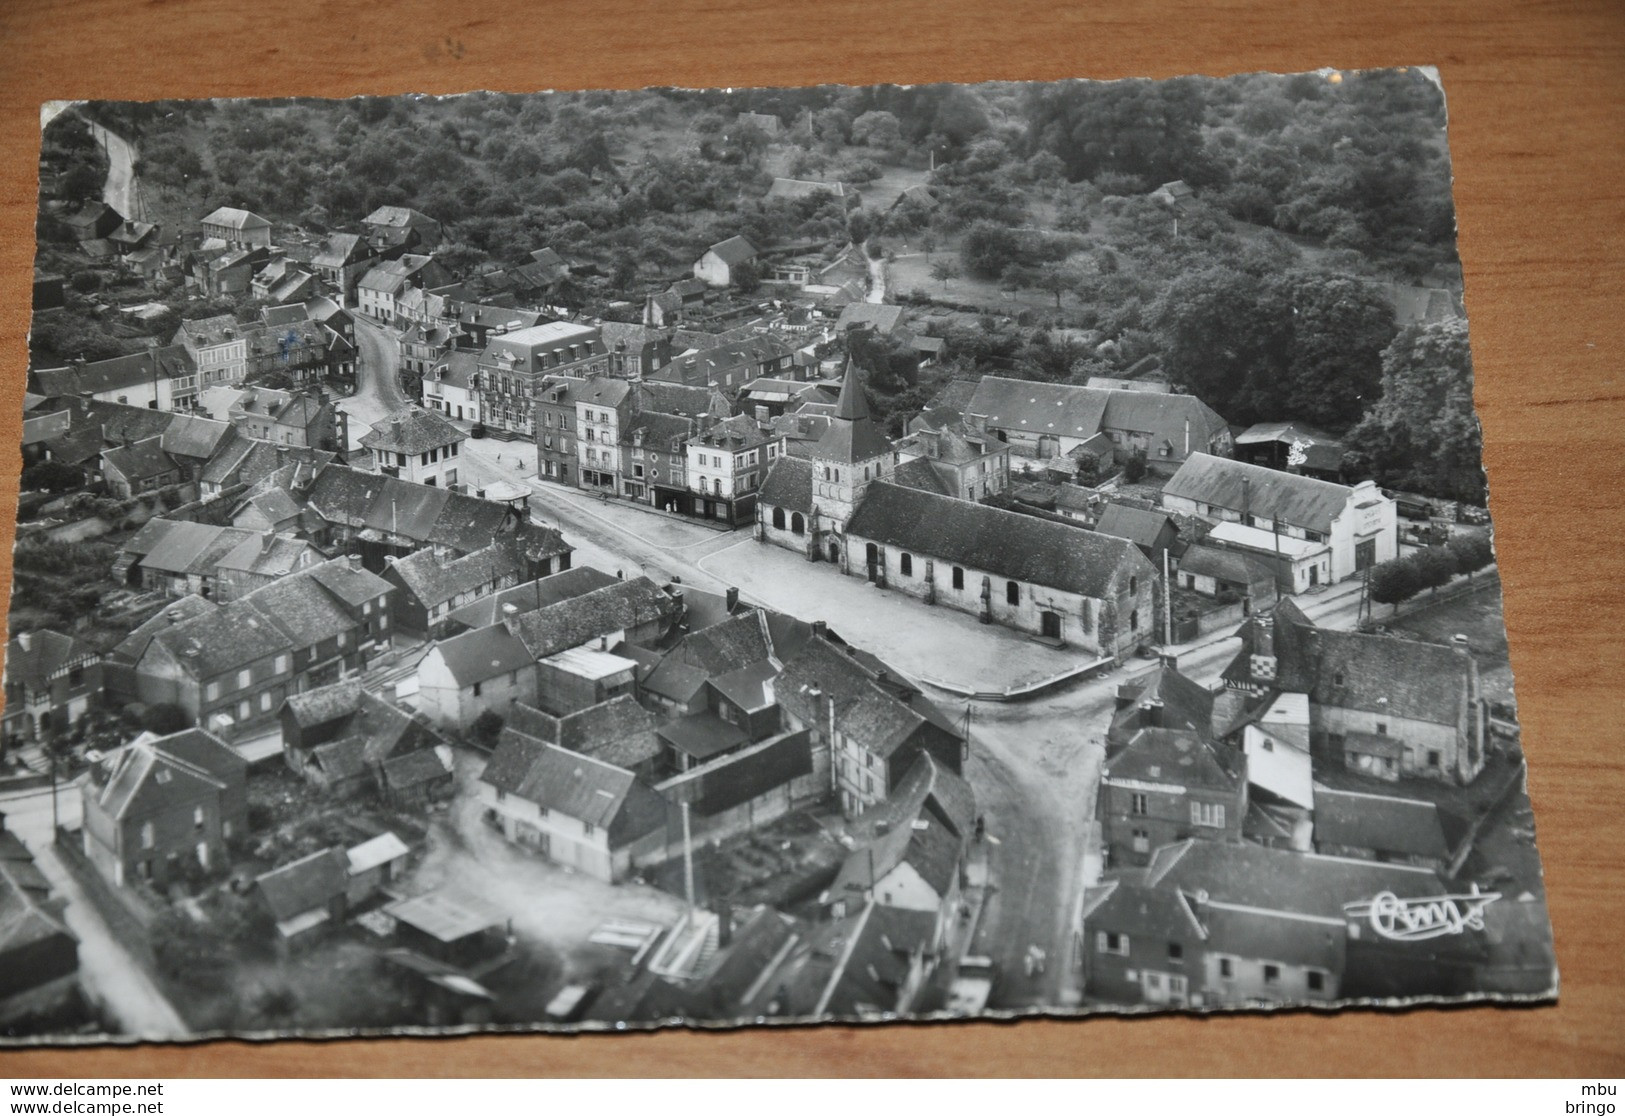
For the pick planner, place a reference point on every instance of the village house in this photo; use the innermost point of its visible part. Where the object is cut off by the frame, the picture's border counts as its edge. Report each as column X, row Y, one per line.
column 341, row 260
column 732, row 364
column 259, row 560
column 448, row 386
column 654, row 468
column 867, row 723
column 288, row 343
column 1379, row 704
column 1210, row 924
column 1043, row 421
column 514, row 365
column 162, row 378
column 218, row 348
column 725, row 466
column 138, row 468
column 344, row 740
column 1154, row 533
column 615, row 729
column 39, row 954
column 1167, row 785
column 1056, row 581
column 962, row 465
column 423, row 347
column 51, row 681
column 339, row 327
column 378, row 289
column 93, row 220
column 915, row 857
column 179, row 557
column 238, row 227
column 393, row 229
column 572, row 809
column 1161, row 698
column 1262, row 511
column 635, row 351
column 1217, row 572
column 157, row 804
column 281, row 281
column 303, row 419
column 719, row 264
column 234, row 665
column 434, row 582
column 225, row 272
column 416, row 445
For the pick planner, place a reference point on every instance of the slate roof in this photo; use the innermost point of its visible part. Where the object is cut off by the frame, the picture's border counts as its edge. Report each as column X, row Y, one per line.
column 134, row 645
column 1357, row 670
column 1186, row 704
column 308, row 883
column 882, row 317
column 338, row 249
column 1288, row 497
column 738, row 641
column 573, row 622
column 282, row 555
column 129, row 784
column 1003, row 543
column 144, row 460
column 482, row 654
column 1066, row 410
column 788, row 485
column 918, row 472
column 193, row 436
column 47, row 653
column 325, row 703
column 457, row 368
column 206, row 332
column 1142, row 528
column 1223, row 565
column 531, row 595
column 873, row 962
column 853, row 436
column 585, row 789
column 116, row 373
column 414, row 769
column 734, row 250
column 434, row 581
column 617, row 731
column 234, row 218
column 876, row 718
column 703, row 736
column 1388, row 825
column 421, row 512
column 29, row 915
column 1175, row 756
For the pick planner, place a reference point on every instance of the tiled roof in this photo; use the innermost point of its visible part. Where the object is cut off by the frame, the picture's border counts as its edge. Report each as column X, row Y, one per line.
column 1003, row 543
column 434, row 581
column 1185, row 703
column 919, row 473
column 1069, row 411
column 875, row 718
column 734, row 250
column 788, row 485
column 1298, row 500
column 883, row 318
column 571, row 623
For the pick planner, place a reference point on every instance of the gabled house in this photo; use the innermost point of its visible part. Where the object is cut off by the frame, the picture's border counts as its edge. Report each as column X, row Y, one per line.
column 341, row 260
column 383, row 283
column 51, row 680
column 344, row 740
column 138, row 468
column 448, row 386
column 726, row 463
column 307, row 896
column 717, row 265
column 1167, row 785
column 393, row 229
column 1378, row 704
column 237, row 226
column 156, row 805
column 571, row 808
column 417, row 445
column 432, row 583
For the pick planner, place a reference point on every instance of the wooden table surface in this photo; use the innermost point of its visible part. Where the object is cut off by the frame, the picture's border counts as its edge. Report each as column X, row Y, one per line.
column 1537, row 131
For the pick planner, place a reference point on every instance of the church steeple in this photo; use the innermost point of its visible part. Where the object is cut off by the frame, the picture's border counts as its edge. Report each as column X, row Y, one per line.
column 852, row 405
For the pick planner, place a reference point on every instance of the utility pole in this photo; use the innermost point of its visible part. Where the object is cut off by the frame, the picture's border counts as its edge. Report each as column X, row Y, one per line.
column 688, row 861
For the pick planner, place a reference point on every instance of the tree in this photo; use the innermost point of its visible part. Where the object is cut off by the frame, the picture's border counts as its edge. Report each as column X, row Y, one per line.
column 1472, row 553
column 1435, row 566
column 1134, row 468
column 745, row 277
column 81, row 183
column 51, row 476
column 878, row 129
column 487, row 726
column 1394, row 581
column 989, row 249
column 164, row 718
column 944, row 272
column 1149, row 129
column 1422, row 433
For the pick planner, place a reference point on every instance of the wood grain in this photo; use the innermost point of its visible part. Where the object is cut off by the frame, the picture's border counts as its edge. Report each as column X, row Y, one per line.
column 1537, row 116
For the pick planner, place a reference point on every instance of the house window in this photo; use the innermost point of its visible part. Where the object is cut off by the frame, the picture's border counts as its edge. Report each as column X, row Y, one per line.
column 1382, row 728
column 1134, row 620
column 502, row 795
column 1227, row 968
column 1137, row 805
column 280, row 664
column 265, row 701
column 1107, row 941
column 906, row 565
column 588, row 829
column 1272, row 974
column 1134, row 587
column 148, row 836
column 243, row 679
column 1434, row 758
column 197, row 817
column 211, row 692
column 1337, row 678
column 1012, row 593
column 1176, row 951
column 476, row 689
column 1316, row 980
column 1142, row 840
column 959, row 578
column 1208, row 813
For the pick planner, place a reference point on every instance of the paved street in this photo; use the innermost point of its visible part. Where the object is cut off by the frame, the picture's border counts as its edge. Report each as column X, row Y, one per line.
column 108, row 973
column 1035, row 763
column 378, row 388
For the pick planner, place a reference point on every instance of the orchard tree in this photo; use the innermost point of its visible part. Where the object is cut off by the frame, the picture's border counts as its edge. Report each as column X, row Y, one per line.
column 944, row 272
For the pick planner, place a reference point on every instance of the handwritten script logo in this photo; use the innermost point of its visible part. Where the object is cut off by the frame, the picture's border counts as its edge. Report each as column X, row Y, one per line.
column 1430, row 916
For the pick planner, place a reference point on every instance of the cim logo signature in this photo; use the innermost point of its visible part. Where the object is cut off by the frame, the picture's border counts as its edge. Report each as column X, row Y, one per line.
column 1430, row 916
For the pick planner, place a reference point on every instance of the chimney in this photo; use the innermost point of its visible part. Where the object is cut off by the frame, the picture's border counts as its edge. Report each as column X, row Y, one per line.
column 510, row 609
column 732, row 598
column 24, row 639
column 355, row 561
column 820, row 629
column 395, row 429
column 1151, row 714
column 267, row 541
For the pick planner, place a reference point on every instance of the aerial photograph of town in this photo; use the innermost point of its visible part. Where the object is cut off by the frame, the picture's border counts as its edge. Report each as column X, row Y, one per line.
column 609, row 559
